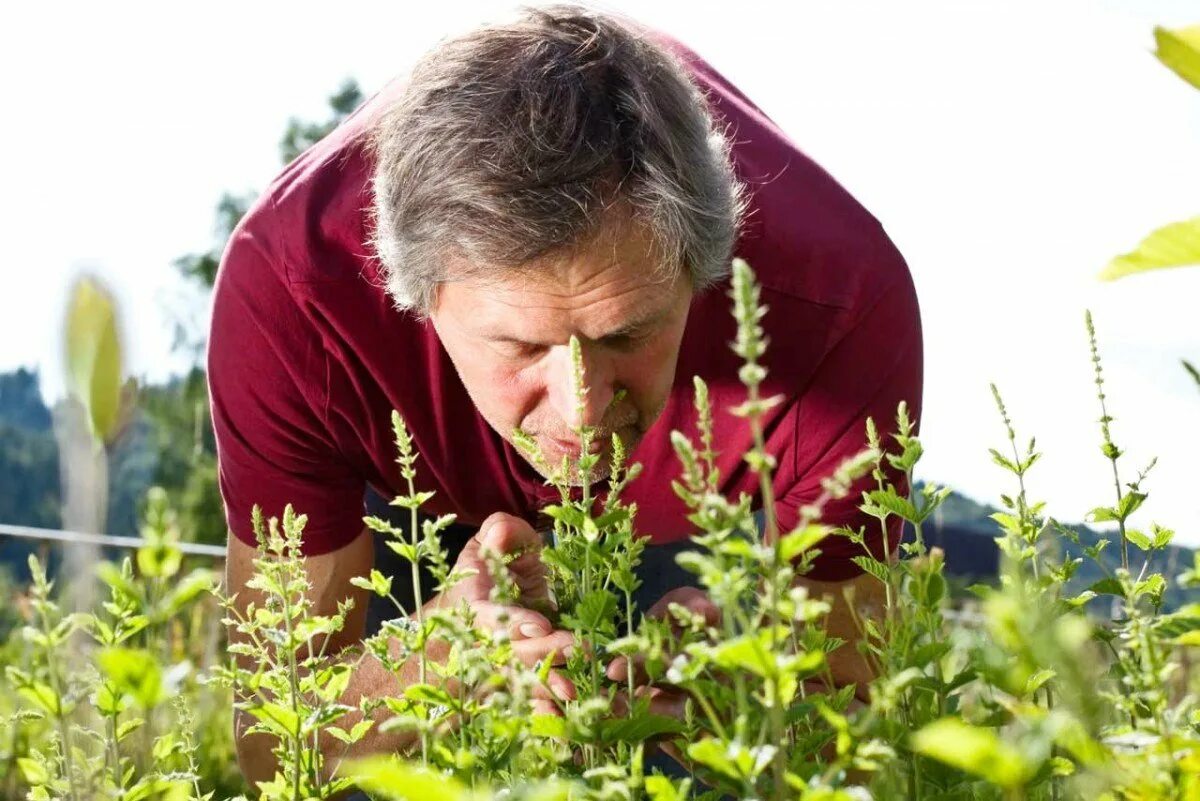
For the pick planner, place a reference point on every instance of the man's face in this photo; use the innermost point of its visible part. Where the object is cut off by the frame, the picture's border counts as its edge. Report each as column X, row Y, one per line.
column 508, row 338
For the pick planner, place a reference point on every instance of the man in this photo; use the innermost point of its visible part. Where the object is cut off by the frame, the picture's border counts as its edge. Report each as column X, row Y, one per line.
column 567, row 173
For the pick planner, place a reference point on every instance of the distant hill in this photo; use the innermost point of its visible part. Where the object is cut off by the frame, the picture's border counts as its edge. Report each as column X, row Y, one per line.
column 963, row 529
column 150, row 451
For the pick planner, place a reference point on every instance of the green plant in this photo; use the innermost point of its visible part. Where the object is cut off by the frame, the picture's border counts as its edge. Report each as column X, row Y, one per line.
column 1053, row 692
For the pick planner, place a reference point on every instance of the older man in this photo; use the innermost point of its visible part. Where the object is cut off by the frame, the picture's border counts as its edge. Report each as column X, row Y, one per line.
column 564, row 174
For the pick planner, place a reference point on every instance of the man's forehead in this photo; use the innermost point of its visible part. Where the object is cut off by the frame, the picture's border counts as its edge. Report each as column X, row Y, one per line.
column 531, row 307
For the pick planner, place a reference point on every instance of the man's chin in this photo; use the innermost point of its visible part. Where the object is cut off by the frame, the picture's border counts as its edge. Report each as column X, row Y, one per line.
column 554, row 459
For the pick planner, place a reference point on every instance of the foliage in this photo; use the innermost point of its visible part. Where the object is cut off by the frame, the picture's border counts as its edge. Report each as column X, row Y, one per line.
column 104, row 704
column 1176, row 244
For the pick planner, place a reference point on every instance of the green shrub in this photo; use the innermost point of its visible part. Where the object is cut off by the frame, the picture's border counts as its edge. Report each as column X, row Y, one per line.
column 1044, row 696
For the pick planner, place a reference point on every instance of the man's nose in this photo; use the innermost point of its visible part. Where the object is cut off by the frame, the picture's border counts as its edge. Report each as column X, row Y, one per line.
column 597, row 378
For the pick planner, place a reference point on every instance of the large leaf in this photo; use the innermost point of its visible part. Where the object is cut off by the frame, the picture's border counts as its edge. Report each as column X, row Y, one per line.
column 1174, row 245
column 93, row 356
column 1180, row 50
column 135, row 673
column 977, row 751
column 388, row 777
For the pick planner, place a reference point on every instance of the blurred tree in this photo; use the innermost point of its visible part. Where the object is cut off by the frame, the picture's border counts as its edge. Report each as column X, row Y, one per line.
column 182, row 434
column 169, row 441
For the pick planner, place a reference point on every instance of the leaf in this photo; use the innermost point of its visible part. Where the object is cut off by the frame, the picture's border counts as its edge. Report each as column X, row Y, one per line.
column 1035, row 682
column 1107, row 586
column 388, row 777
column 428, row 694
column 191, row 587
column 128, row 727
column 1102, row 514
column 888, row 499
column 639, row 728
column 661, row 788
column 977, row 751
column 1192, row 371
column 1180, row 51
column 136, row 673
column 35, row 772
column 1174, row 245
column 710, row 753
column 873, row 566
column 93, row 356
column 551, row 726
column 797, row 542
column 1129, row 504
column 595, row 612
column 1139, row 539
column 277, row 719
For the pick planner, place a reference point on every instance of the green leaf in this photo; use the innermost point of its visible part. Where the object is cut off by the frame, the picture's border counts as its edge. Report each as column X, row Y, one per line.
column 712, row 754
column 1107, row 586
column 1173, row 245
column 1035, row 682
column 1129, row 504
column 277, row 719
column 639, row 728
column 595, row 612
column 1180, row 51
column 888, row 499
column 975, row 750
column 128, row 727
column 93, row 356
column 428, row 694
column 873, row 566
column 35, row 772
column 388, row 777
column 191, row 587
column 1162, row 536
column 797, row 542
column 41, row 696
column 1102, row 514
column 1139, row 539
column 552, row 726
column 661, row 788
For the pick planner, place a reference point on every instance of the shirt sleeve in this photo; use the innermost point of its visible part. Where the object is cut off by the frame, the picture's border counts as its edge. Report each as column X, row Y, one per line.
column 267, row 379
column 874, row 366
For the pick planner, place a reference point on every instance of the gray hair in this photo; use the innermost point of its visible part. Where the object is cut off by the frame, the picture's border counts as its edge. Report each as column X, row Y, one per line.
column 512, row 142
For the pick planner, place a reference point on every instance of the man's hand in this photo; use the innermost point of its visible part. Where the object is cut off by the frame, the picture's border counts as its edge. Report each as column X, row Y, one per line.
column 532, row 633
column 665, row 700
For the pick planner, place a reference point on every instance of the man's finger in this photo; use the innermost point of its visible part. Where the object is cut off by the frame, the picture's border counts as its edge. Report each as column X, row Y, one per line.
column 505, row 533
column 557, row 688
column 690, row 597
column 521, row 623
column 668, row 703
column 532, row 651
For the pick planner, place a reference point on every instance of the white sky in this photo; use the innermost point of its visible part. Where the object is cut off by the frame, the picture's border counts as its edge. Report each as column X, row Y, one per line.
column 1010, row 148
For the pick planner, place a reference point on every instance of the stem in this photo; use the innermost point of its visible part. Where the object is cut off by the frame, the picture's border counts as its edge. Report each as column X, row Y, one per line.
column 418, row 601
column 55, row 684
column 294, row 681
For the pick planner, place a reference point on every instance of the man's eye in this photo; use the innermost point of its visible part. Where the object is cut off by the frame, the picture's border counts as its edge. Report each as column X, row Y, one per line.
column 626, row 342
column 522, row 350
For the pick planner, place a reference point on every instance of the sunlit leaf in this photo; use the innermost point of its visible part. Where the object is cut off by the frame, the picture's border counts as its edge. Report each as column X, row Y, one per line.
column 1180, row 50
column 1173, row 245
column 977, row 751
column 93, row 356
column 392, row 779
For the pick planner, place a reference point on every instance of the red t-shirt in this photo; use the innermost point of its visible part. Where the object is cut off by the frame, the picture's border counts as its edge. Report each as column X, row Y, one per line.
column 307, row 358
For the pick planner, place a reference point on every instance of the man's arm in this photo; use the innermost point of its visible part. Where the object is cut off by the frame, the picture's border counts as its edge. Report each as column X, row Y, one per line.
column 329, row 581
column 851, row 602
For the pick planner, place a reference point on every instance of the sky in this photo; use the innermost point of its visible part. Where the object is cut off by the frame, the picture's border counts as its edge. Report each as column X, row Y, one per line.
column 1010, row 148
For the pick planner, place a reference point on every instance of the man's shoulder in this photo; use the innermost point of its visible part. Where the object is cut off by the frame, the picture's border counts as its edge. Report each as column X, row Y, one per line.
column 806, row 236
column 318, row 208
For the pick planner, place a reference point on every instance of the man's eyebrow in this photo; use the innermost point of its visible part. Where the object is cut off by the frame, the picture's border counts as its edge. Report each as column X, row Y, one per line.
column 637, row 325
